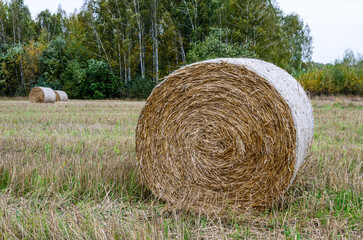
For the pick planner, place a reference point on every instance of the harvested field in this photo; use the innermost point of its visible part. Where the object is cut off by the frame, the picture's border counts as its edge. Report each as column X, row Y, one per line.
column 68, row 171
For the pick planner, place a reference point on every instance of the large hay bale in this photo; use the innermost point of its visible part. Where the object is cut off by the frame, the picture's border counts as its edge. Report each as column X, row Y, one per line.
column 42, row 95
column 60, row 95
column 224, row 132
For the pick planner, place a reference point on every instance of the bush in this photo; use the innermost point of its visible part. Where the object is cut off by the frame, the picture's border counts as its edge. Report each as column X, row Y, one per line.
column 53, row 61
column 216, row 46
column 139, row 88
column 74, row 79
column 100, row 83
column 343, row 77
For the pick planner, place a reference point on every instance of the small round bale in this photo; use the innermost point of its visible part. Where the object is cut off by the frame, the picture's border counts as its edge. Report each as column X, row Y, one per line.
column 42, row 95
column 224, row 133
column 60, row 95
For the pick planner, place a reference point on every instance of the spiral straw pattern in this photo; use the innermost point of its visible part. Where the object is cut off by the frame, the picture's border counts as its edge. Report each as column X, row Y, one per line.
column 42, row 95
column 216, row 134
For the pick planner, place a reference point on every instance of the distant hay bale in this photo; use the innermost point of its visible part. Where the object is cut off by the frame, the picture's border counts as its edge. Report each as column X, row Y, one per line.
column 60, row 95
column 42, row 95
column 224, row 133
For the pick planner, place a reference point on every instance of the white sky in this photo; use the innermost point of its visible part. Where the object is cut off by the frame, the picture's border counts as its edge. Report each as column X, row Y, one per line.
column 36, row 6
column 335, row 25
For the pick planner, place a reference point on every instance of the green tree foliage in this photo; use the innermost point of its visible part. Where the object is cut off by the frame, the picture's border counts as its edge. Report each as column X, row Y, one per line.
column 100, row 81
column 19, row 23
column 74, row 78
column 139, row 88
column 121, row 48
column 272, row 35
column 49, row 26
column 10, row 83
column 216, row 46
column 31, row 65
column 93, row 81
column 53, row 62
column 15, row 30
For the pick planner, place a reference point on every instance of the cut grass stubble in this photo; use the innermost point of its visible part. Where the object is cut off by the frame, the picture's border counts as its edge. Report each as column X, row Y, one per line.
column 69, row 171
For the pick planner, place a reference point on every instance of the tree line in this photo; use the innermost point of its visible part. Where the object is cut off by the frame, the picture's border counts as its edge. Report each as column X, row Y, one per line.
column 344, row 77
column 122, row 48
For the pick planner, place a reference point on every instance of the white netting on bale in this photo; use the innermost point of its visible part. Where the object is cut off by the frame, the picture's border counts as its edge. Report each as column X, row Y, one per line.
column 42, row 95
column 224, row 132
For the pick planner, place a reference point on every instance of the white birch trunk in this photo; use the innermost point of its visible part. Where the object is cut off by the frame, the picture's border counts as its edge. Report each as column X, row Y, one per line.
column 140, row 32
column 155, row 41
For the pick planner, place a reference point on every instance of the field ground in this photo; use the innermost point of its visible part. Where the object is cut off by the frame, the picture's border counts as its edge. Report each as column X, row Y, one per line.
column 68, row 171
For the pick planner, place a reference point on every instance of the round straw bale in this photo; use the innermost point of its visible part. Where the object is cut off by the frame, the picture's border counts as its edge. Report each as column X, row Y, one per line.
column 224, row 133
column 42, row 95
column 57, row 97
column 60, row 95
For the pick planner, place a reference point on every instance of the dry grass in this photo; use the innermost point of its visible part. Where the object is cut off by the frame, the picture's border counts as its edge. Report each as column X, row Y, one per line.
column 68, row 171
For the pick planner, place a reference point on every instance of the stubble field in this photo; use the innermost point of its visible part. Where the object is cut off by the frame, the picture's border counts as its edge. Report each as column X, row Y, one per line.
column 68, row 171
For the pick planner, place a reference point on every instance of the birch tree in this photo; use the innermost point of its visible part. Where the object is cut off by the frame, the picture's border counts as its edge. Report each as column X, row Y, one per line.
column 154, row 35
column 141, row 34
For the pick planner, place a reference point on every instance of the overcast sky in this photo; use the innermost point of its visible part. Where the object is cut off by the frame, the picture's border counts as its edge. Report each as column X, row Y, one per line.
column 36, row 6
column 335, row 25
